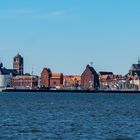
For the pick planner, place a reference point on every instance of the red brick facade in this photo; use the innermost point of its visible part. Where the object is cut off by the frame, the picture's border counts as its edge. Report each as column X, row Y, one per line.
column 72, row 80
column 49, row 79
column 45, row 77
column 89, row 79
column 106, row 78
column 56, row 80
column 25, row 81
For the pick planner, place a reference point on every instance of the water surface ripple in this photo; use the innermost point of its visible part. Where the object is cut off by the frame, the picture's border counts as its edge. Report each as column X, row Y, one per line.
column 63, row 116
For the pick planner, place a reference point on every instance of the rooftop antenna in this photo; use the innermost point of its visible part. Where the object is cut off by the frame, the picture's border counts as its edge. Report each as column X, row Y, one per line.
column 32, row 77
column 32, row 70
column 91, row 64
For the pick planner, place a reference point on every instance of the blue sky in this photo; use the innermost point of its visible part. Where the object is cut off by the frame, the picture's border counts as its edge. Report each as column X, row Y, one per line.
column 66, row 35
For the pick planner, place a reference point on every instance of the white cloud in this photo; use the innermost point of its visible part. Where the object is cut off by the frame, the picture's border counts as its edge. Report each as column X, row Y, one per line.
column 35, row 13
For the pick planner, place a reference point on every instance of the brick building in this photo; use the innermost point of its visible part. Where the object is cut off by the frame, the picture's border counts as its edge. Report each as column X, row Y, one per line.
column 25, row 81
column 71, row 81
column 49, row 79
column 56, row 80
column 106, row 78
column 89, row 79
column 45, row 77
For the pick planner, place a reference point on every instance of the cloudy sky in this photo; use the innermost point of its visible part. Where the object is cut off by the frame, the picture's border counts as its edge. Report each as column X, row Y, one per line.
column 66, row 35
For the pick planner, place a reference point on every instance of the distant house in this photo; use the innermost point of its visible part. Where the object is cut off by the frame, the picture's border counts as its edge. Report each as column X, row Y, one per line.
column 106, row 79
column 135, row 68
column 136, row 79
column 5, row 76
column 72, row 81
column 133, row 75
column 89, row 79
column 5, row 71
column 45, row 77
column 106, row 75
column 25, row 81
column 56, row 80
column 49, row 79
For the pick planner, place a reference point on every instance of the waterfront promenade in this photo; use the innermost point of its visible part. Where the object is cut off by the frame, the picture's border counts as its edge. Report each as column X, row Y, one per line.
column 70, row 91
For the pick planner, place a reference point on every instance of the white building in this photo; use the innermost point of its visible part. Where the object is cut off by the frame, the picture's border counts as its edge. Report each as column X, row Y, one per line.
column 5, row 76
column 5, row 80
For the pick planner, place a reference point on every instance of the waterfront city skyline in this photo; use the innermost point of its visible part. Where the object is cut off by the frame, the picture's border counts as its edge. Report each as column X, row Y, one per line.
column 67, row 35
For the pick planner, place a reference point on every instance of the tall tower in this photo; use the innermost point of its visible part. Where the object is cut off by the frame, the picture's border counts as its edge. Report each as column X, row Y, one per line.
column 139, row 60
column 18, row 64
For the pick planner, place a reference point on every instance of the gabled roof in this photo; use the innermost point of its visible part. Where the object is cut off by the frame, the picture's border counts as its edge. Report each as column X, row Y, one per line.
column 105, row 73
column 138, row 74
column 5, row 71
column 91, row 69
column 18, row 56
column 47, row 69
column 72, row 77
column 135, row 67
column 56, row 75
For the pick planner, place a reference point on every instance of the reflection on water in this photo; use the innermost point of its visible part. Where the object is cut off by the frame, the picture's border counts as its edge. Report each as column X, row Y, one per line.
column 69, row 116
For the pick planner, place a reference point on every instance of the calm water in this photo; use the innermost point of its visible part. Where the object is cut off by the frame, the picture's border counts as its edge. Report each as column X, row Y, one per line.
column 57, row 116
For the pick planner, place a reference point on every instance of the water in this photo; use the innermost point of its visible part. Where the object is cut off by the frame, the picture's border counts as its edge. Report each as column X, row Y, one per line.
column 63, row 116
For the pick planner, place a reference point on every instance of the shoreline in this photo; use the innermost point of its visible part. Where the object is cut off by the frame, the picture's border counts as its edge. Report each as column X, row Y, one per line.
column 69, row 91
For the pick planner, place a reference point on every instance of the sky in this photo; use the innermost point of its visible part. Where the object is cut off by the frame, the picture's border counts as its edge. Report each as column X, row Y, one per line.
column 66, row 35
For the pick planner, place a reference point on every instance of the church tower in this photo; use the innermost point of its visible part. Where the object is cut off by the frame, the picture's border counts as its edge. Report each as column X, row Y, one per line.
column 139, row 60
column 18, row 64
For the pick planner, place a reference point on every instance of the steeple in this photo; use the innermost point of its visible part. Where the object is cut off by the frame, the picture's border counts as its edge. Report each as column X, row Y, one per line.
column 139, row 60
column 1, row 64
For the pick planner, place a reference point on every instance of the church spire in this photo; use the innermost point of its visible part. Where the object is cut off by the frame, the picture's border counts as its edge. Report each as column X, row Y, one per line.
column 1, row 64
column 139, row 60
